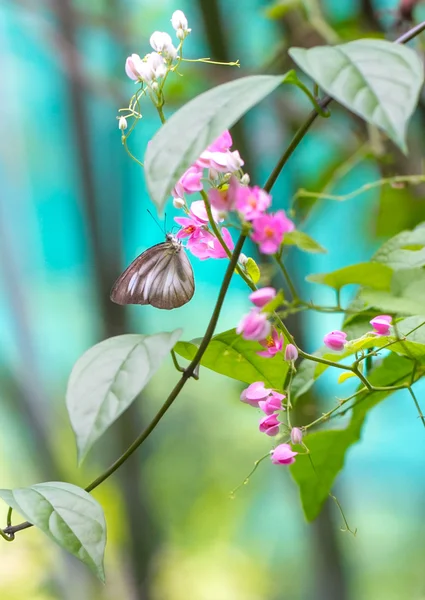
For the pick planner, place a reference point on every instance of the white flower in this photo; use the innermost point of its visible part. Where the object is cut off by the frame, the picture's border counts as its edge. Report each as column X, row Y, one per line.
column 132, row 66
column 243, row 259
column 122, row 123
column 157, row 64
column 178, row 20
column 170, row 53
column 160, row 41
column 245, row 179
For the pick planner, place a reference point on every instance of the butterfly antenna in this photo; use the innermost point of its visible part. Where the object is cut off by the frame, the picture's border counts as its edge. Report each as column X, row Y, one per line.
column 156, row 221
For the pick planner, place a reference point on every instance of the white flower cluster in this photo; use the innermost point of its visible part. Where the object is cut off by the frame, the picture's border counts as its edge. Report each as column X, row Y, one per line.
column 156, row 64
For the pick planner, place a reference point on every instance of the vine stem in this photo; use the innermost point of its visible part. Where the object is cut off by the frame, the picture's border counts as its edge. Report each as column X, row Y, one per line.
column 8, row 532
column 187, row 374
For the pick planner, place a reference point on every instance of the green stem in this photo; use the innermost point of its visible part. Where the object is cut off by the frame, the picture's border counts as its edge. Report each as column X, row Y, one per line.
column 225, row 247
column 287, row 277
column 188, row 373
column 185, row 376
column 300, row 133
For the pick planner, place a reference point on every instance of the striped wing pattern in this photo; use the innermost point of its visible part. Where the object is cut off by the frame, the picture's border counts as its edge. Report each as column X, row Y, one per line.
column 161, row 276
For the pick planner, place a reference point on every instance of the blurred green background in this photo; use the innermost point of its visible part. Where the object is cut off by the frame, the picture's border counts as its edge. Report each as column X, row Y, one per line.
column 73, row 214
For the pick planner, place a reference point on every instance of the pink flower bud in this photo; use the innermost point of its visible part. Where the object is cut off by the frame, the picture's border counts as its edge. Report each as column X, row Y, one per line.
column 283, row 455
column 291, row 353
column 254, row 326
column 382, row 324
column 189, row 183
column 296, row 435
column 255, row 393
column 269, row 425
column 262, row 296
column 335, row 340
column 272, row 403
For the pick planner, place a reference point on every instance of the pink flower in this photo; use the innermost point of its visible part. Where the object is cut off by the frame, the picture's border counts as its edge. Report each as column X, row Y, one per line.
column 291, row 353
column 254, row 326
column 283, row 455
column 272, row 403
column 382, row 324
column 262, row 296
column 273, row 345
column 188, row 183
column 224, row 199
column 335, row 340
column 269, row 425
column 195, row 222
column 252, row 202
column 269, row 231
column 223, row 162
column 222, row 143
column 217, row 250
column 296, row 435
column 203, row 244
column 255, row 393
column 199, row 212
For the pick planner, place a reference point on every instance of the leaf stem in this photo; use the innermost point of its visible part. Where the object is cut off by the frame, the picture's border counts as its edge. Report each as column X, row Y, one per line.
column 421, row 416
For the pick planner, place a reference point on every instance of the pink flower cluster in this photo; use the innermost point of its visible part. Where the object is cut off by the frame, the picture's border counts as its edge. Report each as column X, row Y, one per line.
column 336, row 340
column 251, row 203
column 219, row 159
column 226, row 195
column 201, row 242
column 257, row 327
column 270, row 402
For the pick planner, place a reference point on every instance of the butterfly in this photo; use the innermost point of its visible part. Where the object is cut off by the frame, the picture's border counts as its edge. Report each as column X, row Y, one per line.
column 161, row 276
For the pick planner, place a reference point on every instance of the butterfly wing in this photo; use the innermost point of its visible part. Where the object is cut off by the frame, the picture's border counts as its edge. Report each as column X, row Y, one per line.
column 161, row 276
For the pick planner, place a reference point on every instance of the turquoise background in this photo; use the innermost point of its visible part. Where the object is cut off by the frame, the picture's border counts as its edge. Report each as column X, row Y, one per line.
column 187, row 538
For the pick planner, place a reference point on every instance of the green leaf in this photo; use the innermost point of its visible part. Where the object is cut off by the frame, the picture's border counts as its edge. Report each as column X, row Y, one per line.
column 229, row 354
column 188, row 132
column 68, row 515
column 356, row 74
column 304, row 242
column 108, row 377
column 372, row 274
column 404, row 251
column 406, row 296
column 412, row 346
column 328, row 448
column 253, row 270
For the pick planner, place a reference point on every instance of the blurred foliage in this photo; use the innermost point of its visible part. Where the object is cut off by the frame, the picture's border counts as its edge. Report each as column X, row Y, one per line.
column 173, row 531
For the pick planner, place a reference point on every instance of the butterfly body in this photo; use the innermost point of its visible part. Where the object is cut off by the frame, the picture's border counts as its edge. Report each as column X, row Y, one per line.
column 161, row 276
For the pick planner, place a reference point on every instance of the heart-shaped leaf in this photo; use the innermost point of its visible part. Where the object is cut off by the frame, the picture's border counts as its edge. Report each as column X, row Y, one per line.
column 372, row 274
column 315, row 472
column 229, row 354
column 68, row 515
column 378, row 80
column 108, row 377
column 188, row 132
column 304, row 242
